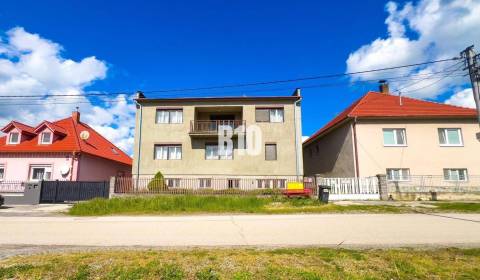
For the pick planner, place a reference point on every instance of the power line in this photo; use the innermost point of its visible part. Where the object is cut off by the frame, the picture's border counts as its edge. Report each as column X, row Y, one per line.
column 249, row 84
column 44, row 101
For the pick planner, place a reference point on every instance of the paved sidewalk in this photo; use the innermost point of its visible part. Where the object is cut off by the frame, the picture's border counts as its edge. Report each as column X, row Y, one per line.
column 346, row 230
column 38, row 210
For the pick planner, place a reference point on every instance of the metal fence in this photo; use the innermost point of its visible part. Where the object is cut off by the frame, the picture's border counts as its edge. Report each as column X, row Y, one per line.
column 360, row 188
column 434, row 183
column 10, row 186
column 59, row 191
column 206, row 184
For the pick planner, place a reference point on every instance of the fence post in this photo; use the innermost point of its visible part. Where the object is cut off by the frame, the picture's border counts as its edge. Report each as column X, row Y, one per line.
column 56, row 192
column 382, row 186
column 111, row 189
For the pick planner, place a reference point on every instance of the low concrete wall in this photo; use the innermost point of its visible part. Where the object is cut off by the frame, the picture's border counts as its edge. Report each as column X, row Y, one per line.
column 439, row 196
column 30, row 196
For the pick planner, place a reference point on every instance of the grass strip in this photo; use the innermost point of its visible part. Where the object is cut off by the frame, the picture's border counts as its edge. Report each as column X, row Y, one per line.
column 305, row 263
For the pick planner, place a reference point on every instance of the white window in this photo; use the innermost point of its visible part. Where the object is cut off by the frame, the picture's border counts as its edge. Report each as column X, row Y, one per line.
column 394, row 137
column 13, row 138
column 40, row 172
column 450, row 136
column 46, row 137
column 168, row 152
column 213, row 152
column 205, row 183
column 2, row 172
column 169, row 116
column 398, row 174
column 172, row 182
column 274, row 115
column 455, row 174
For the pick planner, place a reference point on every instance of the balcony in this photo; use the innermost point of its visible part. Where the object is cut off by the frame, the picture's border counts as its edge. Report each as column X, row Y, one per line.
column 211, row 127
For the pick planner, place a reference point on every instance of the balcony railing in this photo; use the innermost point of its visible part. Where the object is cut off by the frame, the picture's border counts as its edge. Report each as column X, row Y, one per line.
column 212, row 127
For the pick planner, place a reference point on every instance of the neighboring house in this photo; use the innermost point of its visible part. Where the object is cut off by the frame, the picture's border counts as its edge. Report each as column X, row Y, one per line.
column 66, row 149
column 179, row 136
column 385, row 134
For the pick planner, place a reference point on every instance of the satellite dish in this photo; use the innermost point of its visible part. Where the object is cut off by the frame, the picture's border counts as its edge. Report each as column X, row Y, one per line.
column 84, row 135
column 64, row 170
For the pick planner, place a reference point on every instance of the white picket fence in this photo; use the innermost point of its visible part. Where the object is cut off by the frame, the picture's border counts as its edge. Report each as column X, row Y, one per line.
column 364, row 188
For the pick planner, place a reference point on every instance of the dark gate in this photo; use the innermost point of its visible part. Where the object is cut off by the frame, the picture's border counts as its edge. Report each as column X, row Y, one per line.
column 60, row 191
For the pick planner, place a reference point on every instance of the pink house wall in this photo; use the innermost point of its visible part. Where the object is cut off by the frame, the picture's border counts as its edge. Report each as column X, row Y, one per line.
column 17, row 165
column 85, row 167
column 92, row 168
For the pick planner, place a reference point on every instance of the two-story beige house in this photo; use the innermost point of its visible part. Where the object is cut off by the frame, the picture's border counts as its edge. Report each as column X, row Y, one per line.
column 180, row 138
column 397, row 136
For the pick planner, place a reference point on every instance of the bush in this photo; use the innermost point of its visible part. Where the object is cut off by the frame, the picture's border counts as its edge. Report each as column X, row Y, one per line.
column 207, row 274
column 157, row 183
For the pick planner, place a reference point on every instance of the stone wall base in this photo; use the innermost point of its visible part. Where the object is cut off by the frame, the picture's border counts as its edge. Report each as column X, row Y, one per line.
column 439, row 196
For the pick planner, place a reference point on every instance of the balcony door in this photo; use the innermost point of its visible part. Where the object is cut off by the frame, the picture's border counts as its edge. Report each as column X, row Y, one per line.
column 221, row 120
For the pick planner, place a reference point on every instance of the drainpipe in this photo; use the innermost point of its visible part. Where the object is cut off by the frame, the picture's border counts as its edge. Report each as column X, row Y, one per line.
column 355, row 146
column 140, row 119
column 296, row 93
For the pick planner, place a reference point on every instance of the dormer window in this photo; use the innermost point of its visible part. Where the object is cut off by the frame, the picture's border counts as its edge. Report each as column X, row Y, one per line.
column 46, row 137
column 14, row 138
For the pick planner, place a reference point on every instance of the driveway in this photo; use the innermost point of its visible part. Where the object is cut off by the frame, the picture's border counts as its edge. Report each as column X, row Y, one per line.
column 39, row 210
column 343, row 230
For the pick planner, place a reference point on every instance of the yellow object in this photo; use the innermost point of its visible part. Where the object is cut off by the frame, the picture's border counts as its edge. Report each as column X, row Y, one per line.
column 294, row 186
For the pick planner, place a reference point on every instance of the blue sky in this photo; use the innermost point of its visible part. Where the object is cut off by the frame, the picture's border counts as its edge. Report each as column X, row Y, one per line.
column 151, row 45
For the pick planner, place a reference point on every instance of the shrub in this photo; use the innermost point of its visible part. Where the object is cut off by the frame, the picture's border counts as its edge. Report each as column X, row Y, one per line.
column 157, row 183
column 207, row 274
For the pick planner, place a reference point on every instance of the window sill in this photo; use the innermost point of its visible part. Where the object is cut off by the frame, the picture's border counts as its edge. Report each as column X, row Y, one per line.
column 459, row 145
column 395, row 145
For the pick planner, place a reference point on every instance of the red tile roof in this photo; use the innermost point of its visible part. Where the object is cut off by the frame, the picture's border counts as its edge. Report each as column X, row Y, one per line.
column 19, row 126
column 378, row 105
column 95, row 145
column 53, row 127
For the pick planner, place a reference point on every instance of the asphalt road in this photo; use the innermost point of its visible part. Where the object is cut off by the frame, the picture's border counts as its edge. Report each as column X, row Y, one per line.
column 344, row 230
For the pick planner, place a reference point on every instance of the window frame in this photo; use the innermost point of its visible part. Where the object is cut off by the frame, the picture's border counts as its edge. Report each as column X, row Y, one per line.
column 168, row 146
column 218, row 156
column 276, row 151
column 395, row 137
column 402, row 179
column 443, row 130
column 4, row 169
column 466, row 178
column 41, row 138
column 10, row 138
column 205, row 183
column 173, row 182
column 169, row 111
column 45, row 168
column 270, row 109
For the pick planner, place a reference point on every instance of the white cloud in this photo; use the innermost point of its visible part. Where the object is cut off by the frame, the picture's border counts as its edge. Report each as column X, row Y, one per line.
column 304, row 138
column 427, row 30
column 462, row 98
column 32, row 65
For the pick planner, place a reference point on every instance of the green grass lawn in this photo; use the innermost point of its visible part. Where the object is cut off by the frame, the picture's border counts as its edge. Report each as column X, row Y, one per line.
column 311, row 263
column 461, row 207
column 191, row 204
column 217, row 204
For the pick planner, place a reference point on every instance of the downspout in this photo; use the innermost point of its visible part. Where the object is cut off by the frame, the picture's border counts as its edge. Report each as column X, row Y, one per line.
column 296, row 140
column 139, row 141
column 355, row 146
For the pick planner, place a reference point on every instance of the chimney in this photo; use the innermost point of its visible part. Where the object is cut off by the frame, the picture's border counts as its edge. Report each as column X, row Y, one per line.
column 139, row 94
column 384, row 87
column 297, row 92
column 76, row 116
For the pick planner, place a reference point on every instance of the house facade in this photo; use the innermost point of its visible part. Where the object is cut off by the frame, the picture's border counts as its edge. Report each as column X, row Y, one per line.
column 66, row 149
column 397, row 136
column 180, row 137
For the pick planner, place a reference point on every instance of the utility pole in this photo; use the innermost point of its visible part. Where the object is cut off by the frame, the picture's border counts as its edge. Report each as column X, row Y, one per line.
column 473, row 66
